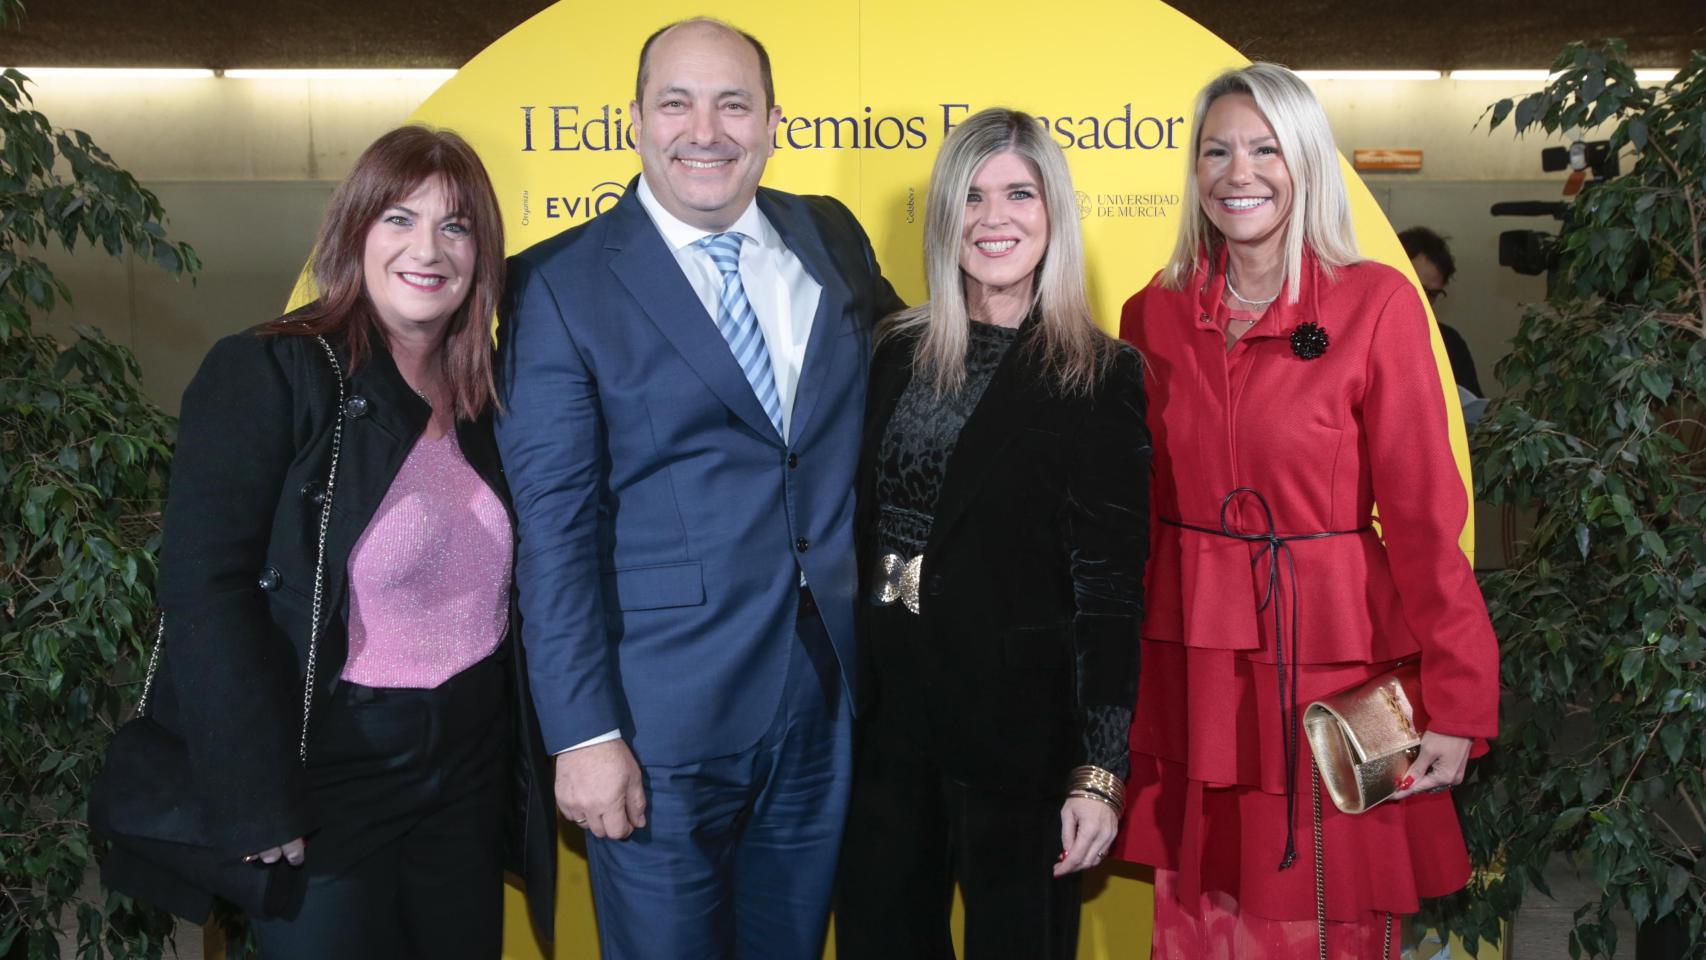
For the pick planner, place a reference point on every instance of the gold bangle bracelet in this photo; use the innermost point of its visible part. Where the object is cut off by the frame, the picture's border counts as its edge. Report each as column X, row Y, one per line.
column 1100, row 793
column 1119, row 809
column 1089, row 772
column 1103, row 781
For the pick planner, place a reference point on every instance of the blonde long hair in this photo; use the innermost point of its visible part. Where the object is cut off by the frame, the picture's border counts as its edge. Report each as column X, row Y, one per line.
column 1073, row 350
column 1320, row 211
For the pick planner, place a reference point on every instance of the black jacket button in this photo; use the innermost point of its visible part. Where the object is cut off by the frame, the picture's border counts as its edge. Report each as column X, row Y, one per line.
column 934, row 584
column 793, row 460
column 355, row 407
column 314, row 491
column 269, row 580
column 802, row 544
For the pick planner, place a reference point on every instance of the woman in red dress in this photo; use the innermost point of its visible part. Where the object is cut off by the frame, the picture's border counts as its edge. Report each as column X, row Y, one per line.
column 1292, row 386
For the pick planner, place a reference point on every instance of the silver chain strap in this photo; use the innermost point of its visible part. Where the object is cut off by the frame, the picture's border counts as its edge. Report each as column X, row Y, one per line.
column 319, row 574
column 320, row 558
column 1321, row 874
column 153, row 661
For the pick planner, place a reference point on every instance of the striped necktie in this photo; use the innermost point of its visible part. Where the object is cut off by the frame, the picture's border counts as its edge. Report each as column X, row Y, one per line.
column 739, row 325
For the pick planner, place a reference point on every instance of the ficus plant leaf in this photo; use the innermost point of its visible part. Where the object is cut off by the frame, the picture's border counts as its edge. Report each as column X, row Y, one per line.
column 83, row 460
column 1601, row 438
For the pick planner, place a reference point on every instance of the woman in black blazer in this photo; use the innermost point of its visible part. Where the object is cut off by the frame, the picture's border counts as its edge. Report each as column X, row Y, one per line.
column 1002, row 535
column 395, row 792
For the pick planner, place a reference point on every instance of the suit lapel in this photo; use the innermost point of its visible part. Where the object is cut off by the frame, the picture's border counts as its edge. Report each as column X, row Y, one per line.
column 646, row 266
column 1010, row 402
column 792, row 220
column 891, row 371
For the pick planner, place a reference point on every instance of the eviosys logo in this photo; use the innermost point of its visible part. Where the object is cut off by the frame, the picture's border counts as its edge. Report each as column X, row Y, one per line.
column 572, row 208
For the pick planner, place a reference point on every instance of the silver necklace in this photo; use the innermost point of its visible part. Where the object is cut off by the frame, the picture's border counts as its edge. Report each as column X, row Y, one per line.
column 1243, row 299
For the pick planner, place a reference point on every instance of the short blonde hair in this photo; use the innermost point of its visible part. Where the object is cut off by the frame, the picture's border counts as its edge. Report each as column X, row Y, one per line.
column 1074, row 350
column 1320, row 210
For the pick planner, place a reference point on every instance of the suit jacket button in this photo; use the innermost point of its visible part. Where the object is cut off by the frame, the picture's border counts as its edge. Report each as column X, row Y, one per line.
column 934, row 584
column 802, row 544
column 355, row 407
column 269, row 580
column 314, row 491
column 793, row 460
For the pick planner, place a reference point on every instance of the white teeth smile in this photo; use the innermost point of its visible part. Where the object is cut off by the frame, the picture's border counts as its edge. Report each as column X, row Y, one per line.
column 996, row 246
column 705, row 164
column 1244, row 203
column 423, row 280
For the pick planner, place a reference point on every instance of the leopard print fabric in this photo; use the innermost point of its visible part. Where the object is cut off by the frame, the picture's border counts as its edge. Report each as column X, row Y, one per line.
column 1106, row 739
column 920, row 437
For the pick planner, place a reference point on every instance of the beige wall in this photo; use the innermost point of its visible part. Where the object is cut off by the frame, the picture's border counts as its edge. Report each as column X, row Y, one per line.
column 220, row 128
column 1440, row 117
column 252, row 236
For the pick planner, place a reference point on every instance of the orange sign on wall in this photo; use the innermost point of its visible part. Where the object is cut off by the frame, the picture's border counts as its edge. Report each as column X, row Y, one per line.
column 1388, row 160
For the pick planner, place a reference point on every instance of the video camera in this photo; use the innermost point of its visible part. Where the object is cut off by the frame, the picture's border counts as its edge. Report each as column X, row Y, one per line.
column 1532, row 252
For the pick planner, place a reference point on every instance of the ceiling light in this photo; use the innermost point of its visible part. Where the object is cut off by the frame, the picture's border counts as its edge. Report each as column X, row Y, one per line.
column 1369, row 74
column 340, row 74
column 1526, row 76
column 1644, row 75
column 117, row 73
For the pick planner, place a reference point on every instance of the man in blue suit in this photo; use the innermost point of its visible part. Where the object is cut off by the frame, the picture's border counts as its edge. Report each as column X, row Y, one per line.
column 683, row 384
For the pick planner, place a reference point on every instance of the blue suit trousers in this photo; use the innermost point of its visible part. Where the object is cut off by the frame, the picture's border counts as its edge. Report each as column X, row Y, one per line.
column 738, row 856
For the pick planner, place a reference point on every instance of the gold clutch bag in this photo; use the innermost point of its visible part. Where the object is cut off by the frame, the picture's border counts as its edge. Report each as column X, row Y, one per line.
column 1365, row 738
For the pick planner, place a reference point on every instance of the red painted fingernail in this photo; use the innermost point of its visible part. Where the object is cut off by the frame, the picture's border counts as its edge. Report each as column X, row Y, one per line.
column 1061, row 857
column 1408, row 781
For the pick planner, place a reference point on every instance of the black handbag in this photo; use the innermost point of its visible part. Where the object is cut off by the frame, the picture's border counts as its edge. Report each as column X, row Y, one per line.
column 160, row 852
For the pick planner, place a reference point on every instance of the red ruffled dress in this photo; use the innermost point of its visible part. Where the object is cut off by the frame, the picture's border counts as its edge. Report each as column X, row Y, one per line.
column 1319, row 440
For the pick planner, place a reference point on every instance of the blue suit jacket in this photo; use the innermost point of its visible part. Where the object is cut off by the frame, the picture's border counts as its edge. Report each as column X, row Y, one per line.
column 662, row 523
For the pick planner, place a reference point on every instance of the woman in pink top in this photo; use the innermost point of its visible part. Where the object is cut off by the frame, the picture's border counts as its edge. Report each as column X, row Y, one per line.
column 376, row 804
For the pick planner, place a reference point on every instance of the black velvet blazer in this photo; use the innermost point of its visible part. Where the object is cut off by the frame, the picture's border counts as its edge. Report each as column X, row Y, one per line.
column 1032, row 579
column 237, row 580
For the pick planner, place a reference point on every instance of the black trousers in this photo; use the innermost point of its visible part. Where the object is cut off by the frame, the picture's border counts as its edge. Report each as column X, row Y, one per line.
column 912, row 832
column 409, row 787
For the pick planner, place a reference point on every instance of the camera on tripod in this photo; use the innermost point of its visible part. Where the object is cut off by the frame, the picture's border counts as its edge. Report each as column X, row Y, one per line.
column 1533, row 252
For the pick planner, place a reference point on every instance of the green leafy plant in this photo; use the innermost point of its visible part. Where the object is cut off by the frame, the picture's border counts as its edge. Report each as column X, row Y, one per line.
column 1602, row 610
column 83, row 459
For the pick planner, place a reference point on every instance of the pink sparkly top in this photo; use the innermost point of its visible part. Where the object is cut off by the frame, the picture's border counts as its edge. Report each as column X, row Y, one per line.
column 429, row 578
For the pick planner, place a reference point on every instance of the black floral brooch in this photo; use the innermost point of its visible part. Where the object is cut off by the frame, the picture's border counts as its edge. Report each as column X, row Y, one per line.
column 1309, row 340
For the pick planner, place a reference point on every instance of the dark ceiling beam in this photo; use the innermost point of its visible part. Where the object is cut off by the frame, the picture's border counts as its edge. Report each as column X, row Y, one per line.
column 1306, row 34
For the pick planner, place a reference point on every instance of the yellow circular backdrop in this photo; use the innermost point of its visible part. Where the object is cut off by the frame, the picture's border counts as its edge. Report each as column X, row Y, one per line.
column 867, row 92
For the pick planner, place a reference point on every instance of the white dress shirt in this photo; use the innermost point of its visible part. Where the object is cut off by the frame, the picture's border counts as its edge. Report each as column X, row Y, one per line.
column 783, row 298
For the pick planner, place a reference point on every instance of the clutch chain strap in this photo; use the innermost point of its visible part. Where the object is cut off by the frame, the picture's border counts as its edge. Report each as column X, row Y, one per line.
column 1321, row 874
column 319, row 574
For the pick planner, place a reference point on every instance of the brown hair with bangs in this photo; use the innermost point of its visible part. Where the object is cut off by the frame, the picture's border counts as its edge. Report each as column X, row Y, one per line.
column 386, row 172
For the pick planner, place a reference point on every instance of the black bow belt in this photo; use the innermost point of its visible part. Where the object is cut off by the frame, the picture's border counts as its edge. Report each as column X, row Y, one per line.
column 1275, row 548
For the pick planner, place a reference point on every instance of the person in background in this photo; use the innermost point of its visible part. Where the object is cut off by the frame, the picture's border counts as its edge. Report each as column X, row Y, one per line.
column 418, row 747
column 1002, row 536
column 682, row 380
column 1292, row 386
column 1435, row 266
